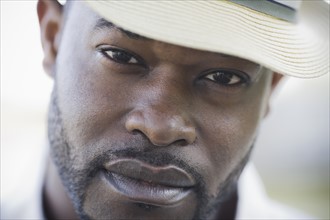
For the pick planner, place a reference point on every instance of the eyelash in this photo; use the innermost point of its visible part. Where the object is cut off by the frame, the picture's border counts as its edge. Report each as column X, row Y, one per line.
column 109, row 53
column 228, row 74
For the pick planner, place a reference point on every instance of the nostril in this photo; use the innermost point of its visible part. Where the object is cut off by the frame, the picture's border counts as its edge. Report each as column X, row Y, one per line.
column 181, row 142
column 136, row 132
column 140, row 134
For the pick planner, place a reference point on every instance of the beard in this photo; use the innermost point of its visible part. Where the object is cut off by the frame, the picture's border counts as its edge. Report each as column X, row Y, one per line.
column 76, row 181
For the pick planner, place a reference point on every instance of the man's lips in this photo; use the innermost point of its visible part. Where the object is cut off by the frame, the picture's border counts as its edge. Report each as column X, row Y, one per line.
column 170, row 175
column 141, row 182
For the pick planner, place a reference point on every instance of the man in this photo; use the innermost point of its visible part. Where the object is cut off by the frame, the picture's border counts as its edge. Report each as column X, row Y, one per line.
column 156, row 105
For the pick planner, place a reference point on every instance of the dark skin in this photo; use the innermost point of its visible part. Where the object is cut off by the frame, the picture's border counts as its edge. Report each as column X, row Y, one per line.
column 118, row 96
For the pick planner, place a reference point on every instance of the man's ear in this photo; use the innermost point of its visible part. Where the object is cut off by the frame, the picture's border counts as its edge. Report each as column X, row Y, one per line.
column 50, row 21
column 276, row 78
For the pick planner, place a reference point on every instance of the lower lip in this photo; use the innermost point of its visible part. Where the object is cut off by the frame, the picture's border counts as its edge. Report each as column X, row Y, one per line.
column 145, row 192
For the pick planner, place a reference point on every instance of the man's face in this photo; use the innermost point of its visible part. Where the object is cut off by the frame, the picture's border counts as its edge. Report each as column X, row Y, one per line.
column 143, row 129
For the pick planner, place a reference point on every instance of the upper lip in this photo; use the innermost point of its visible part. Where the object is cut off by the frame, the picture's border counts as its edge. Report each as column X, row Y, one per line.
column 169, row 175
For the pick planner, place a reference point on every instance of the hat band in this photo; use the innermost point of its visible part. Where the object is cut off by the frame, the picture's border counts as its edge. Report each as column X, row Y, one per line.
column 286, row 10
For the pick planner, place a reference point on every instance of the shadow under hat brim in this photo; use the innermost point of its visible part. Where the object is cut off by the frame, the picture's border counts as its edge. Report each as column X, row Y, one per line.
column 298, row 49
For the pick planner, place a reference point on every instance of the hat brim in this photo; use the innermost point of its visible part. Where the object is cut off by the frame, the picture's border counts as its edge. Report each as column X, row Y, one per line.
column 298, row 49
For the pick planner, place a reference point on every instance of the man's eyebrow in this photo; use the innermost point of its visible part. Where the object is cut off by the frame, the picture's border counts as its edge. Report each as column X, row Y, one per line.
column 101, row 23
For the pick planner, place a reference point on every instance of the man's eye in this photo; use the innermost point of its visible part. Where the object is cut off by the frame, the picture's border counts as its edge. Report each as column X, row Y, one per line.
column 120, row 56
column 225, row 77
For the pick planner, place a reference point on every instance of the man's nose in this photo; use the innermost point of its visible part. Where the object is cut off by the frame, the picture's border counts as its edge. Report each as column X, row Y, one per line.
column 161, row 127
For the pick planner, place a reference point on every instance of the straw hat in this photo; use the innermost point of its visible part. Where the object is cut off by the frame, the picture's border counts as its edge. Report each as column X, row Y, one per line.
column 289, row 37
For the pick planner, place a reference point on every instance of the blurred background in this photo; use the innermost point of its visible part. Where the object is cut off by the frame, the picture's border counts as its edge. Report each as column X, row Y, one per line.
column 292, row 152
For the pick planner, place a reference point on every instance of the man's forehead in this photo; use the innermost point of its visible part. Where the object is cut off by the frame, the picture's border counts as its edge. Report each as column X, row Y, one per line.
column 103, row 24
